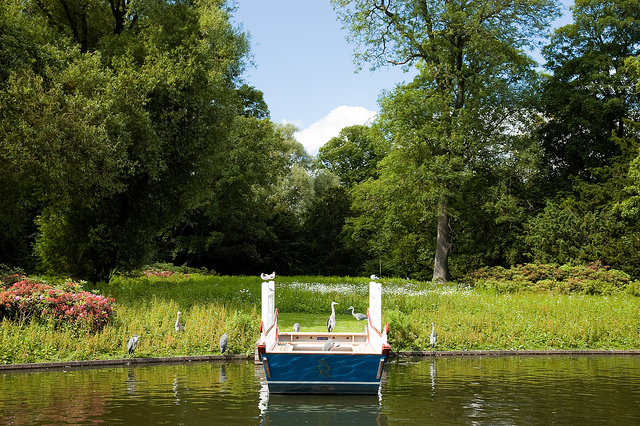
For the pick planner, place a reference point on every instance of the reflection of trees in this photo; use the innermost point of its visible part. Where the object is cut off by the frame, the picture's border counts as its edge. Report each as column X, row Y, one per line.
column 105, row 395
column 56, row 397
column 501, row 389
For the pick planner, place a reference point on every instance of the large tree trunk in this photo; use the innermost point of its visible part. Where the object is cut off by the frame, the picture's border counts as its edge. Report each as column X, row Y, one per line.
column 443, row 244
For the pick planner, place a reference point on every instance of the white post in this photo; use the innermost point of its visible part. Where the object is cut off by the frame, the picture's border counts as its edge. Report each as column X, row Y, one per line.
column 375, row 304
column 268, row 303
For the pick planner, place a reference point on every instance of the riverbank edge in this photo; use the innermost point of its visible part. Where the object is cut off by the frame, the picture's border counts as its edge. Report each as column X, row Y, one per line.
column 201, row 358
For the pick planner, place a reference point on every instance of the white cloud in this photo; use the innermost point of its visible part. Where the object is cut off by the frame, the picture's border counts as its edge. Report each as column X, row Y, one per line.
column 319, row 133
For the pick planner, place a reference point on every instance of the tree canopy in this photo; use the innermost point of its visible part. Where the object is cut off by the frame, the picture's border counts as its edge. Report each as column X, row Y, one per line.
column 128, row 135
column 452, row 117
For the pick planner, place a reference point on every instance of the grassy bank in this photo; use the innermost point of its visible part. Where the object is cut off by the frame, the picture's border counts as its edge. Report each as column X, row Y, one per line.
column 466, row 318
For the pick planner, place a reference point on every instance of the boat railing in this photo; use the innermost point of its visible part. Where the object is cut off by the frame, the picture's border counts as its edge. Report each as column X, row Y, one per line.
column 377, row 338
column 270, row 334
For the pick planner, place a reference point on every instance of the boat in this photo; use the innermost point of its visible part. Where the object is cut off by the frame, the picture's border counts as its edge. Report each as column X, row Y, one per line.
column 331, row 363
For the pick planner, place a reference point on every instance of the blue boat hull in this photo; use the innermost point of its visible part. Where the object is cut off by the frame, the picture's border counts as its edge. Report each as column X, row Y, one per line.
column 323, row 373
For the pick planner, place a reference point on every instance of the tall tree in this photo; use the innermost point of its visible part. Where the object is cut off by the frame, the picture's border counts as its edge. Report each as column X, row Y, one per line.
column 468, row 54
column 353, row 155
column 590, row 92
column 130, row 136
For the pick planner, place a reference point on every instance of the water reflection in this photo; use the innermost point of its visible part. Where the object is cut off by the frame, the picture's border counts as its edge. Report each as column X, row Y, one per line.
column 542, row 390
column 323, row 410
column 514, row 390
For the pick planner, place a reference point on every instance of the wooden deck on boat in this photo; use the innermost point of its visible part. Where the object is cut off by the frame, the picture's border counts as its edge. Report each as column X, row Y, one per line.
column 310, row 342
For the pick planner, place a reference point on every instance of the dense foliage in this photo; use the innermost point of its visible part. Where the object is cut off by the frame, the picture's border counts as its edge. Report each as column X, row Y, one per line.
column 128, row 136
column 586, row 279
column 66, row 306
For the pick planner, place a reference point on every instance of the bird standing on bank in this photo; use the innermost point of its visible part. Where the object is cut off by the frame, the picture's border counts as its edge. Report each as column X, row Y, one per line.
column 267, row 277
column 133, row 344
column 178, row 326
column 433, row 338
column 331, row 322
column 224, row 340
column 357, row 315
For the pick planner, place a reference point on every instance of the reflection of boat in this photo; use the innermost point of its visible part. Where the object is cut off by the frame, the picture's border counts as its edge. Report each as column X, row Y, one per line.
column 322, row 409
column 296, row 362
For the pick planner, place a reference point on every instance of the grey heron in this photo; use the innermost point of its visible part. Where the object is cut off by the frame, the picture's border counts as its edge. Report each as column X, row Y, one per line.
column 133, row 343
column 330, row 345
column 357, row 315
column 296, row 327
column 268, row 277
column 224, row 340
column 331, row 322
column 178, row 326
column 433, row 338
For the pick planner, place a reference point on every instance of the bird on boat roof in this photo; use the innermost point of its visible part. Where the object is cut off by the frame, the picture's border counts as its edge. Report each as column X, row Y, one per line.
column 433, row 338
column 374, row 277
column 296, row 327
column 331, row 322
column 178, row 326
column 330, row 345
column 267, row 277
column 357, row 315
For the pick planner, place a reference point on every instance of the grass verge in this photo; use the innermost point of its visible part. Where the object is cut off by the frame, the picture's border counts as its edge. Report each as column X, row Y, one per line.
column 465, row 318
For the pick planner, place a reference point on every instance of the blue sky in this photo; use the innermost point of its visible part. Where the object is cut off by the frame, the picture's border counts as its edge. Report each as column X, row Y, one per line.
column 304, row 66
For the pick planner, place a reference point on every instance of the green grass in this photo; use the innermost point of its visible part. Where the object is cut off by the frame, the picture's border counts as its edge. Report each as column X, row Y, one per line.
column 466, row 319
column 316, row 322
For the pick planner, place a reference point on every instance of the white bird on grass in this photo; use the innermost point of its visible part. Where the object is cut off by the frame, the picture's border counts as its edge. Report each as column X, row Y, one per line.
column 374, row 278
column 357, row 315
column 133, row 344
column 178, row 326
column 296, row 327
column 224, row 340
column 267, row 277
column 433, row 338
column 331, row 322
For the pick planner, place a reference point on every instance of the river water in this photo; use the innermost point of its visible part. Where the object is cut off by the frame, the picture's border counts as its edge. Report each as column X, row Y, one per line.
column 475, row 390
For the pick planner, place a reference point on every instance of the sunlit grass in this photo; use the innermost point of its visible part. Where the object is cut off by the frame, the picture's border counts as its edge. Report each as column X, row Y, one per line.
column 345, row 323
column 465, row 319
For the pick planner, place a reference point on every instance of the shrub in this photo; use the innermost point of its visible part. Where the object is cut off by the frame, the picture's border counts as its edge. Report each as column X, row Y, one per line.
column 593, row 278
column 67, row 305
column 10, row 275
column 402, row 331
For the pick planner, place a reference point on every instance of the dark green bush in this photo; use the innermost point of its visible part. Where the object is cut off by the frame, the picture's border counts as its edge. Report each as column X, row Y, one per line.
column 593, row 278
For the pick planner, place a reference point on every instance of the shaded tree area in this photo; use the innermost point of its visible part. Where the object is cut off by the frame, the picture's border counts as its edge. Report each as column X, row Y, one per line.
column 117, row 130
column 128, row 136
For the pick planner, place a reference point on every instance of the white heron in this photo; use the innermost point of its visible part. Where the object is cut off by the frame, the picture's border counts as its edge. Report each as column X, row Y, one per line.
column 268, row 277
column 331, row 322
column 224, row 341
column 296, row 327
column 133, row 344
column 433, row 338
column 178, row 326
column 357, row 315
column 330, row 345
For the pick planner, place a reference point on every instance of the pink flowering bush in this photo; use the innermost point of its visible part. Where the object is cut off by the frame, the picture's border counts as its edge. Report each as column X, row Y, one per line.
column 167, row 270
column 152, row 272
column 28, row 300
